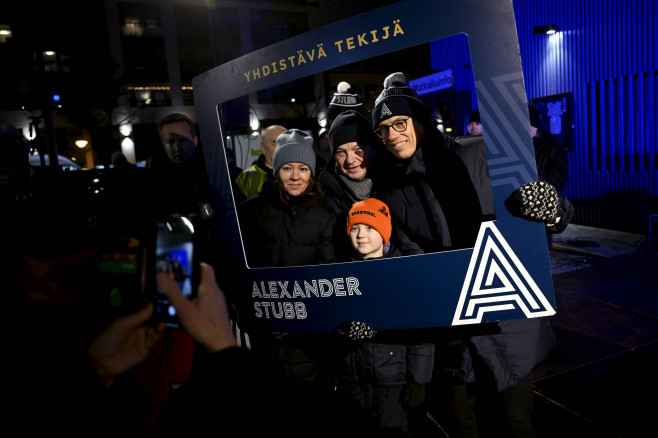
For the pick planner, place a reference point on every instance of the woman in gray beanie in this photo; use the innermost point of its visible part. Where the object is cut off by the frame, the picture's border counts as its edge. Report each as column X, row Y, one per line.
column 288, row 224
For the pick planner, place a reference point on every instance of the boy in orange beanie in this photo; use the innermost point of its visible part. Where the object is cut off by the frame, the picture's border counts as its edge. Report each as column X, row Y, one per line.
column 384, row 373
column 369, row 229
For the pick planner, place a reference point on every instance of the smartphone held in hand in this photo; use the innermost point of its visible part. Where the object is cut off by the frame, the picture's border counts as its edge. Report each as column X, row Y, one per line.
column 176, row 255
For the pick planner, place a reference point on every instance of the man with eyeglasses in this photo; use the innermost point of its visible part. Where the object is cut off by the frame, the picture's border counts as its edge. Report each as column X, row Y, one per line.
column 427, row 186
column 434, row 207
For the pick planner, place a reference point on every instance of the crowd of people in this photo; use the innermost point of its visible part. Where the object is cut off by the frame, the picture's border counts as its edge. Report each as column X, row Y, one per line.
column 388, row 185
column 436, row 192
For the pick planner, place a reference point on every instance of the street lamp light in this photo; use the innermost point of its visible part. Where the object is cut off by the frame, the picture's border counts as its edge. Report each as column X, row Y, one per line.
column 89, row 154
column 548, row 29
column 126, row 129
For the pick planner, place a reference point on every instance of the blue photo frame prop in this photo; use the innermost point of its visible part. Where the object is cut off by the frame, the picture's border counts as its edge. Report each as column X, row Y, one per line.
column 505, row 276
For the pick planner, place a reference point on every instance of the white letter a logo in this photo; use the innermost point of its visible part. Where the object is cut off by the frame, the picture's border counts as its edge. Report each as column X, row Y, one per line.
column 496, row 281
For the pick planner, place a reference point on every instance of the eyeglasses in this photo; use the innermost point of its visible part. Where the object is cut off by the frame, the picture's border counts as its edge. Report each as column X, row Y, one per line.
column 398, row 126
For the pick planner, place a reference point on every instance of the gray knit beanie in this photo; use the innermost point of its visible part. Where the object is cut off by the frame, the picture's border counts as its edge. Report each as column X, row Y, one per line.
column 293, row 146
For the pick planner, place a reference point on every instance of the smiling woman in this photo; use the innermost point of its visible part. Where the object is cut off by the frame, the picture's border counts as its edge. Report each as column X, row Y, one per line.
column 288, row 222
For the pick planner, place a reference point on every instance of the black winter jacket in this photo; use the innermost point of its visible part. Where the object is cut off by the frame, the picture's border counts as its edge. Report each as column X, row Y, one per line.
column 390, row 359
column 387, row 374
column 433, row 202
column 472, row 150
column 278, row 234
column 340, row 202
column 552, row 160
column 435, row 180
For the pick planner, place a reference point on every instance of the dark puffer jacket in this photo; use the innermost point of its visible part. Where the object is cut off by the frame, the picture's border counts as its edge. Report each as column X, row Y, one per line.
column 396, row 360
column 472, row 150
column 278, row 234
column 432, row 192
column 295, row 234
column 433, row 202
column 392, row 358
column 340, row 200
column 552, row 159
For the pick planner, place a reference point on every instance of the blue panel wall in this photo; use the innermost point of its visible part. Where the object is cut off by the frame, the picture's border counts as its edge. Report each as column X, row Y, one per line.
column 604, row 55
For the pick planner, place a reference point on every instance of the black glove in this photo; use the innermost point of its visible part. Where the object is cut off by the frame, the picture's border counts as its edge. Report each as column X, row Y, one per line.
column 412, row 395
column 537, row 201
column 356, row 330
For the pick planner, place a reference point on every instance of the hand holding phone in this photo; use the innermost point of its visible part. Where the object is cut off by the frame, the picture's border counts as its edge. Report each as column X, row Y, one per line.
column 176, row 256
column 206, row 318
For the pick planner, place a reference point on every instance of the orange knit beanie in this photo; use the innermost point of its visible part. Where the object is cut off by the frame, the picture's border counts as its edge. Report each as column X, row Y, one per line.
column 374, row 213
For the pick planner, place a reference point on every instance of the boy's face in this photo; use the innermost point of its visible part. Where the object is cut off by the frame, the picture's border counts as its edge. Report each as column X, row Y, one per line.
column 366, row 241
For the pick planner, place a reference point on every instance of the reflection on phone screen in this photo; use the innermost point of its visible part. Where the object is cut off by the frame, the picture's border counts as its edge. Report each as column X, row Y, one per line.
column 174, row 255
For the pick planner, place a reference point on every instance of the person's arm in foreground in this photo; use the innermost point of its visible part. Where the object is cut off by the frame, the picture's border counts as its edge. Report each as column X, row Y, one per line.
column 127, row 341
column 230, row 389
column 124, row 344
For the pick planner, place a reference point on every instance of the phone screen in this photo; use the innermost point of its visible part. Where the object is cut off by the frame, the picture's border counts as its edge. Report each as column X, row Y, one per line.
column 175, row 254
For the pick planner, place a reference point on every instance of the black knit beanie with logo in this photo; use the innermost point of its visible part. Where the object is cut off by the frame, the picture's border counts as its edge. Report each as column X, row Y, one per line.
column 474, row 116
column 351, row 126
column 344, row 100
column 398, row 99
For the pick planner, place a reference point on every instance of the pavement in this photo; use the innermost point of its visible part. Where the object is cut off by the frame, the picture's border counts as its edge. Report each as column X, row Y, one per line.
column 601, row 379
column 579, row 246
